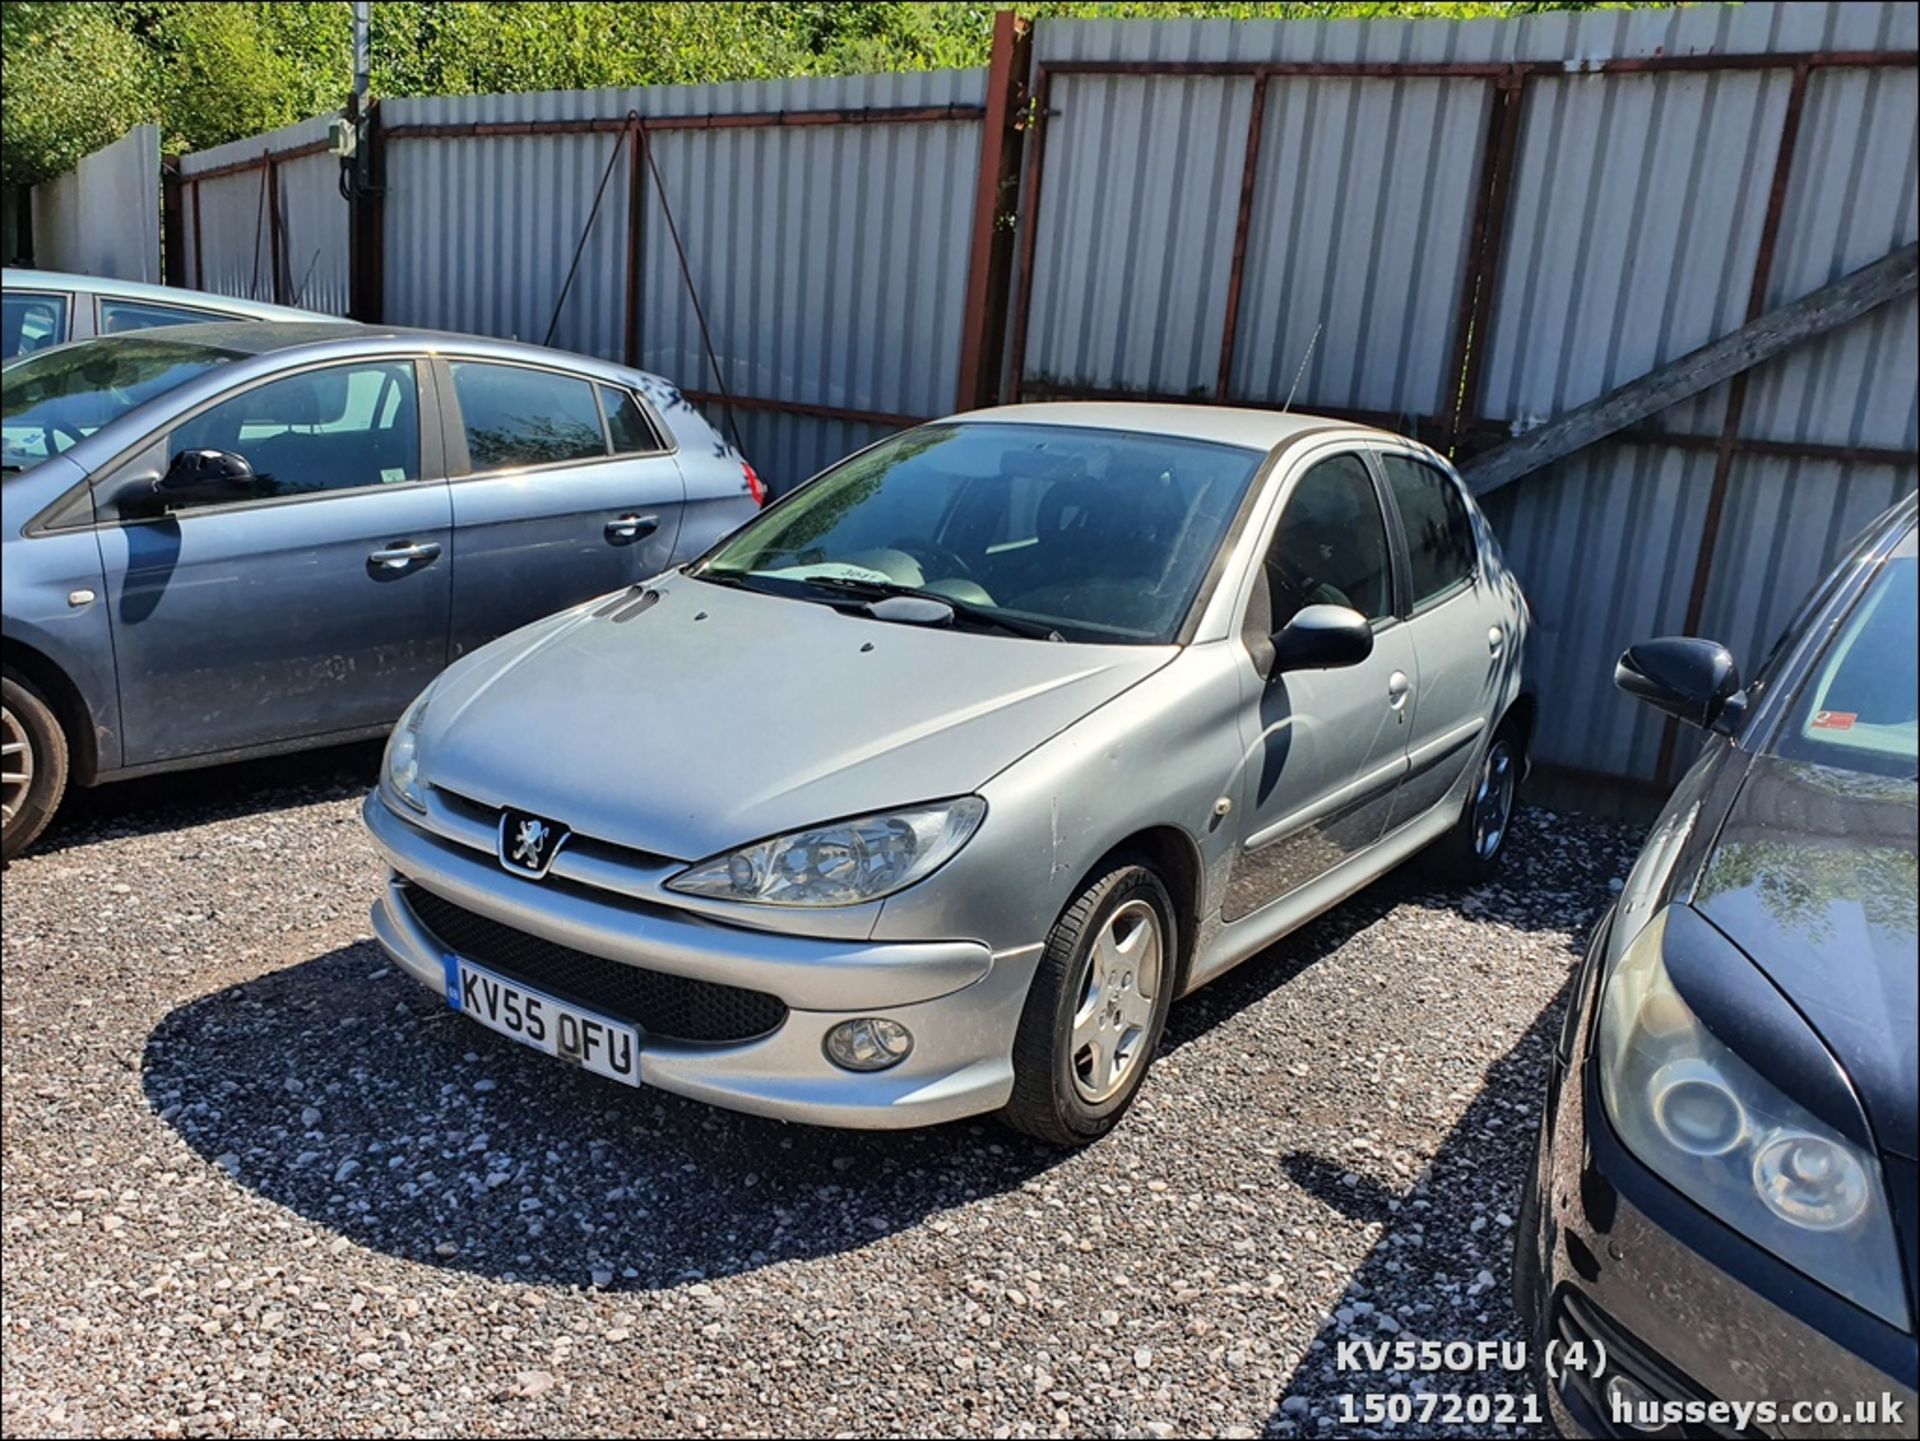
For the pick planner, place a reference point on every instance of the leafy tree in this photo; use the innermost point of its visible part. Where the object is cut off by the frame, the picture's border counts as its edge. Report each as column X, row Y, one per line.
column 78, row 75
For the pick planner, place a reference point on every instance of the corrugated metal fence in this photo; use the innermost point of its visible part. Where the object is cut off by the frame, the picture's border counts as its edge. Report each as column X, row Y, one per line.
column 265, row 218
column 103, row 216
column 1456, row 229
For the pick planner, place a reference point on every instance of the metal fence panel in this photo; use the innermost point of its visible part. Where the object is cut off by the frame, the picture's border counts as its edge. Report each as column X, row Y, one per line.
column 103, row 216
column 231, row 232
column 830, row 260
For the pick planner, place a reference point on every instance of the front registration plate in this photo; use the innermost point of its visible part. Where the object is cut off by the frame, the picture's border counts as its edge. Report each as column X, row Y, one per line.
column 604, row 1046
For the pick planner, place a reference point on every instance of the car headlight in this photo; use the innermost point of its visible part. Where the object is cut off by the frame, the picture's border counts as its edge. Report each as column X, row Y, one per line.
column 400, row 769
column 1732, row 1141
column 842, row 863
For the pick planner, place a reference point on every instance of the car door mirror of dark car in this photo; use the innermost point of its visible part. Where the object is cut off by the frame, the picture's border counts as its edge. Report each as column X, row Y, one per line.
column 1321, row 637
column 204, row 477
column 1684, row 676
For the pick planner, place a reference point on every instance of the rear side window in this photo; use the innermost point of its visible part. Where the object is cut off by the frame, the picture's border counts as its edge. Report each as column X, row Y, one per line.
column 117, row 316
column 517, row 416
column 627, row 424
column 32, row 322
column 1440, row 544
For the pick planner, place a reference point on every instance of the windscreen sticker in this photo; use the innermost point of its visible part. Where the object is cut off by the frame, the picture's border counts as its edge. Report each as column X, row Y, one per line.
column 1834, row 720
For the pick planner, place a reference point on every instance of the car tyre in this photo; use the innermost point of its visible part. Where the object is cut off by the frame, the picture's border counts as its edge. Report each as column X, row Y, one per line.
column 34, row 764
column 1470, row 853
column 1096, row 1008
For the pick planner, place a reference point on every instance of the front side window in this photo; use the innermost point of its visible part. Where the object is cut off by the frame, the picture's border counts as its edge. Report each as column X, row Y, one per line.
column 338, row 428
column 516, row 416
column 1440, row 545
column 118, row 316
column 1330, row 548
column 55, row 400
column 1092, row 535
column 30, row 321
column 1859, row 708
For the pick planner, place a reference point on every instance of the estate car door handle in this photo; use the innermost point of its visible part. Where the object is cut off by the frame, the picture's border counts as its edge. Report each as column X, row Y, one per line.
column 624, row 528
column 403, row 553
column 1496, row 638
column 1398, row 688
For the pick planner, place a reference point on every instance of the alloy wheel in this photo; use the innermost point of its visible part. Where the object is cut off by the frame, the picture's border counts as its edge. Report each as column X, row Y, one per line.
column 16, row 765
column 1493, row 801
column 1115, row 1009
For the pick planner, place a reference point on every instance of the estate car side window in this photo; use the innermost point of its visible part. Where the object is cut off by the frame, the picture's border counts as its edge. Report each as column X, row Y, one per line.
column 338, row 428
column 119, row 316
column 32, row 321
column 516, row 416
column 1440, row 544
column 1330, row 548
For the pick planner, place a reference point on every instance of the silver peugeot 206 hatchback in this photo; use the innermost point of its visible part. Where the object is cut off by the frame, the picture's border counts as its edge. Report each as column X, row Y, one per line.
column 926, row 792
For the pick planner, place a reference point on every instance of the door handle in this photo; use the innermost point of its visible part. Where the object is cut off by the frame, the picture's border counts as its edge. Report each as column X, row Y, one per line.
column 403, row 553
column 1496, row 638
column 1398, row 689
column 626, row 528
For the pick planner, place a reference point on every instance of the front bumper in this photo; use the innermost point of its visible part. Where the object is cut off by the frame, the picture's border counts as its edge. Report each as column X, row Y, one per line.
column 1686, row 1308
column 961, row 1002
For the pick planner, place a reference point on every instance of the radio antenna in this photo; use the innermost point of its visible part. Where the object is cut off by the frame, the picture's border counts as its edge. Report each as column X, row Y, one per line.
column 1311, row 339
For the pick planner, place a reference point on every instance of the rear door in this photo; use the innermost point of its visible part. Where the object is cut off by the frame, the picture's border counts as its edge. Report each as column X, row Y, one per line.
column 565, row 488
column 1458, row 625
column 318, row 606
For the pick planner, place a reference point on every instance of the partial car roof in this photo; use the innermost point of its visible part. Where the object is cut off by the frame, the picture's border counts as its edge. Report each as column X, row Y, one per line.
column 1258, row 430
column 20, row 278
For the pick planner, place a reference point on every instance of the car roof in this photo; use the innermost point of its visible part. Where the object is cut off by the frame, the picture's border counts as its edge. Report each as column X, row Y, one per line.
column 333, row 339
column 24, row 279
column 1250, row 429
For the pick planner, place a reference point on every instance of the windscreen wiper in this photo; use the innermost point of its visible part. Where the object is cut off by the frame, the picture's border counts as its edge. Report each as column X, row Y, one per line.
column 967, row 610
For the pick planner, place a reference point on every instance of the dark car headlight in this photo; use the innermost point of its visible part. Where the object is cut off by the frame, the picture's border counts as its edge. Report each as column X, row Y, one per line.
column 1729, row 1139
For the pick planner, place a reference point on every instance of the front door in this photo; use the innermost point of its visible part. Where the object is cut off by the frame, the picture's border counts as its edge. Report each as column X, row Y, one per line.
column 1326, row 749
column 318, row 605
column 565, row 492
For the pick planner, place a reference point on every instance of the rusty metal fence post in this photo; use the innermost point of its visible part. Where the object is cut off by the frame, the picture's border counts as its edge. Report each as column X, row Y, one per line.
column 366, row 215
column 173, row 243
column 990, row 267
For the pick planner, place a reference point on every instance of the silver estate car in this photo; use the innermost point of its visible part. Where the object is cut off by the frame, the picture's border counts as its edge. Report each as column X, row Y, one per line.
column 40, row 309
column 926, row 792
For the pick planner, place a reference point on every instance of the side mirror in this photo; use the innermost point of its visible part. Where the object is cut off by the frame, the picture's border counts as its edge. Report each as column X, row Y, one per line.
column 1322, row 637
column 205, row 477
column 1684, row 676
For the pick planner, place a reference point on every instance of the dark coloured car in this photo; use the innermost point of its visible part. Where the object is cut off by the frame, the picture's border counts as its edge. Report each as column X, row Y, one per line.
column 1724, row 1193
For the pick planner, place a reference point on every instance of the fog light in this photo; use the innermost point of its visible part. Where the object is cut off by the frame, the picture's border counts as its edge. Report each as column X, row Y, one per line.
column 1632, row 1405
column 871, row 1043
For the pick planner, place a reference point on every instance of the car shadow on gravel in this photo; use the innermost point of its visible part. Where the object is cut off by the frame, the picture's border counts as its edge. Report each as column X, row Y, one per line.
column 1441, row 1270
column 345, row 1092
column 175, row 800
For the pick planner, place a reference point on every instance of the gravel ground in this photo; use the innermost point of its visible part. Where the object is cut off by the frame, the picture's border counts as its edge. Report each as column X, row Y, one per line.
column 256, row 1181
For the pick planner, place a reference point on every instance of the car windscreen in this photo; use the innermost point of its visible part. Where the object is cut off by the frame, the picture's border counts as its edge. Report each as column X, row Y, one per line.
column 56, row 398
column 1093, row 534
column 1859, row 705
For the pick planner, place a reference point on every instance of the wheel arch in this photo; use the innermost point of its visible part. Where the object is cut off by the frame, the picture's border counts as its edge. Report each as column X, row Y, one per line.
column 1174, row 856
column 45, row 675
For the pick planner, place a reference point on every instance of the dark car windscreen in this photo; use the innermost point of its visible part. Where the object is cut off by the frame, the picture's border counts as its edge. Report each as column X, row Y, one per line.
column 1859, row 705
column 1098, row 535
column 55, row 399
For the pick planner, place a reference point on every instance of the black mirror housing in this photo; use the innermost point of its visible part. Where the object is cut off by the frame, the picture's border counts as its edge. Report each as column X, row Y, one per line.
column 1322, row 637
column 205, row 477
column 1684, row 676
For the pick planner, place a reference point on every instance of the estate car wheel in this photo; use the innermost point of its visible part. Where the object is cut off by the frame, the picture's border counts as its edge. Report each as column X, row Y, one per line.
column 1471, row 851
column 33, row 765
column 1096, row 1009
